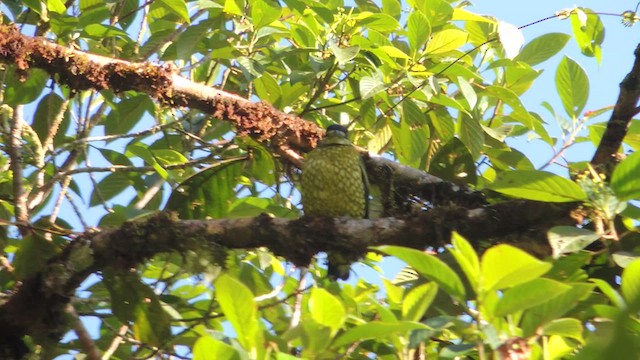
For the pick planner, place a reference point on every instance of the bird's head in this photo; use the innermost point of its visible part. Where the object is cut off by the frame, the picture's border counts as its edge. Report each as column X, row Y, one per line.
column 336, row 135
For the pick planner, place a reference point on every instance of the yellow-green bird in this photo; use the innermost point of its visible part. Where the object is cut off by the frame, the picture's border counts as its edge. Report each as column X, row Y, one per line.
column 334, row 183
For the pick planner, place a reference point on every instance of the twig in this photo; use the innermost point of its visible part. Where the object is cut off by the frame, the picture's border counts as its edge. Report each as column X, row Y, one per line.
column 86, row 342
column 115, row 343
column 15, row 153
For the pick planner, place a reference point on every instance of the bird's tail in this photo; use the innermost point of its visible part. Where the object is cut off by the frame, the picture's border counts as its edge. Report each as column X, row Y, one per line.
column 337, row 267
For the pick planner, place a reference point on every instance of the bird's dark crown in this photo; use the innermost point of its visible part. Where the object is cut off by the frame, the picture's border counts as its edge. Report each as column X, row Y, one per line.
column 338, row 128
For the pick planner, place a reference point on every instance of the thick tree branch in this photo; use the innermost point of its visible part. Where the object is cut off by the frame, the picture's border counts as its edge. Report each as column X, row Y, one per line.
column 606, row 156
column 38, row 306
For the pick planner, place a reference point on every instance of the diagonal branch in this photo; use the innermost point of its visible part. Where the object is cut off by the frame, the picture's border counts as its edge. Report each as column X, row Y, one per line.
column 606, row 156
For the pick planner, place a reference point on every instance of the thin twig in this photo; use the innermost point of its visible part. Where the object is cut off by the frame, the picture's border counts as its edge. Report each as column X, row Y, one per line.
column 15, row 153
column 86, row 342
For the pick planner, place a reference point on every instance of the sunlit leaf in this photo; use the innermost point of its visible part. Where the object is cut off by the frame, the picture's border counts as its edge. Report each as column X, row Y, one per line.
column 505, row 266
column 624, row 180
column 430, row 267
column 572, row 85
column 537, row 185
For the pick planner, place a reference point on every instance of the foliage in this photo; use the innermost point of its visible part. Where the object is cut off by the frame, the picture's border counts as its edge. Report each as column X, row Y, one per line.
column 428, row 87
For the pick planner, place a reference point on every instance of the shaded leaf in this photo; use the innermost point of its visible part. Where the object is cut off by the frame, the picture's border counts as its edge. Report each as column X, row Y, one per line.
column 568, row 239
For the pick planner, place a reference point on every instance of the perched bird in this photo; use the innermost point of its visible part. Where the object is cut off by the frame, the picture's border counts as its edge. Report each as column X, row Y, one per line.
column 334, row 183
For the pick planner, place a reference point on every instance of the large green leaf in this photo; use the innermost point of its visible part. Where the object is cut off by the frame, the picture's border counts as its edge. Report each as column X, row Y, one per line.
column 542, row 48
column 410, row 142
column 110, row 186
column 528, row 295
column 417, row 301
column 208, row 193
column 467, row 258
column 264, row 13
column 568, row 239
column 377, row 330
column 505, row 266
column 19, row 90
column 624, row 180
column 326, row 309
column 630, row 285
column 127, row 113
column 550, row 310
column 32, row 255
column 208, row 348
column 588, row 31
column 418, row 31
column 567, row 327
column 132, row 300
column 46, row 115
column 445, row 41
column 237, row 304
column 537, row 185
column 430, row 267
column 572, row 84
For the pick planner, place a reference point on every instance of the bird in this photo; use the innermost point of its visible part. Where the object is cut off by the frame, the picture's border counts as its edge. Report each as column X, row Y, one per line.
column 334, row 183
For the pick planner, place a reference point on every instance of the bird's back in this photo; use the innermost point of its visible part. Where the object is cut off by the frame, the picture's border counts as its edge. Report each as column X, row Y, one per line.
column 332, row 183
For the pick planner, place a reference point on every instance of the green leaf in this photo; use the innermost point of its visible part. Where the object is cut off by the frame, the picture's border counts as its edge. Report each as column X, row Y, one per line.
column 207, row 193
column 99, row 31
column 614, row 296
column 430, row 267
column 56, row 6
column 268, row 89
column 418, row 31
column 624, row 180
column 572, row 84
column 379, row 22
column 410, row 142
column 568, row 239
column 236, row 301
column 567, row 327
column 48, row 109
column 208, row 348
column 417, row 301
column 23, row 91
column 110, row 186
column 471, row 134
column 505, row 266
column 528, row 295
column 624, row 258
column 326, row 309
column 177, row 8
column 132, row 300
column 550, row 310
column 127, row 113
column 542, row 48
column 371, row 85
column 537, row 185
column 264, row 13
column 32, row 255
column 588, row 31
column 376, row 330
column 467, row 258
column 445, row 41
column 630, row 286
column 344, row 55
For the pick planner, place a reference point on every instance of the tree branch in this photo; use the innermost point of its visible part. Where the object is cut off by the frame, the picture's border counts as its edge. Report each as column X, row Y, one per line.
column 38, row 306
column 606, row 156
